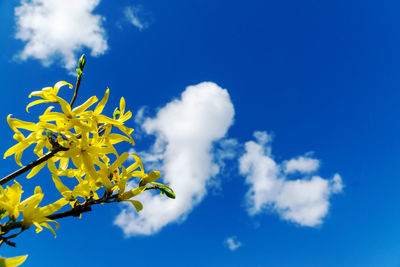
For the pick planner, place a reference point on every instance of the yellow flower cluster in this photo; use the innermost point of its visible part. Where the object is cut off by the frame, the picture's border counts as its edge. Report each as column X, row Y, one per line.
column 84, row 144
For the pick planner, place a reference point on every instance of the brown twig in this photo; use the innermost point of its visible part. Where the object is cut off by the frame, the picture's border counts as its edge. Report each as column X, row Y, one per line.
column 40, row 160
column 73, row 212
column 78, row 83
column 31, row 165
column 81, row 66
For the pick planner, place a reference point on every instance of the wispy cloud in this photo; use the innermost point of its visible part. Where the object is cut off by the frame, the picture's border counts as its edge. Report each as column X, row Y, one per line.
column 58, row 30
column 185, row 130
column 135, row 15
column 232, row 243
column 301, row 164
column 226, row 150
column 304, row 200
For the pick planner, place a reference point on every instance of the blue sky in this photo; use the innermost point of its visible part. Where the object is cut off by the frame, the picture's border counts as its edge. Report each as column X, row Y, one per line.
column 275, row 121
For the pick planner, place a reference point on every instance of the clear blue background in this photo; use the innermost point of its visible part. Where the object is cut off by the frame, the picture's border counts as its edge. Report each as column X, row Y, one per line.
column 323, row 76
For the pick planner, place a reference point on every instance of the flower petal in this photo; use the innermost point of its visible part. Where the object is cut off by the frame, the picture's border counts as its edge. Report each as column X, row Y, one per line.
column 59, row 185
column 12, row 262
column 122, row 105
column 85, row 105
column 99, row 108
column 36, row 102
column 138, row 206
column 35, row 170
column 121, row 159
column 58, row 85
column 117, row 138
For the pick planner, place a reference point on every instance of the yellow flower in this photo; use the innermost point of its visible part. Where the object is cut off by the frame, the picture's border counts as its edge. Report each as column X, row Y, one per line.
column 49, row 94
column 83, row 189
column 96, row 115
column 10, row 199
column 38, row 137
column 34, row 215
column 87, row 152
column 70, row 118
column 122, row 117
column 108, row 175
column 120, row 179
column 119, row 119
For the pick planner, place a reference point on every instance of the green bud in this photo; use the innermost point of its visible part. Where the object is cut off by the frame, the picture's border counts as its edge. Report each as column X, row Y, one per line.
column 82, row 62
column 116, row 114
column 167, row 191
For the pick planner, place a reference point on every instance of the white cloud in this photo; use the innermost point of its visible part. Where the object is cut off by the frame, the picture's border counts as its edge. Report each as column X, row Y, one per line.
column 226, row 150
column 132, row 14
column 301, row 164
column 185, row 131
column 304, row 201
column 336, row 184
column 233, row 243
column 262, row 137
column 141, row 115
column 59, row 29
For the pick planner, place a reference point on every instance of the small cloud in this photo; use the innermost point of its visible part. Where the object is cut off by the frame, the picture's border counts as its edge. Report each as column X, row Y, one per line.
column 301, row 164
column 336, row 184
column 304, row 201
column 135, row 15
column 262, row 137
column 232, row 243
column 59, row 29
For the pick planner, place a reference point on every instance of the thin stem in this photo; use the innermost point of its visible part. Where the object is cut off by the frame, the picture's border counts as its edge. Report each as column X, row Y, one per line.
column 32, row 165
column 8, row 242
column 85, row 207
column 74, row 212
column 78, row 83
column 81, row 66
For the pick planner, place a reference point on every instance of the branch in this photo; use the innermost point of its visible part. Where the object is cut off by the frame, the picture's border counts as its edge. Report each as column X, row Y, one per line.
column 78, row 83
column 32, row 165
column 79, row 70
column 74, row 212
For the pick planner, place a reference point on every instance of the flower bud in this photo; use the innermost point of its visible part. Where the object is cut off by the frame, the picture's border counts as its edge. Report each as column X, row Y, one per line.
column 82, row 62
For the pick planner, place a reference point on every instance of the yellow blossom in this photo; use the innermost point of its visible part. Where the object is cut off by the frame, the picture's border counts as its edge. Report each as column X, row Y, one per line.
column 49, row 94
column 10, row 199
column 37, row 136
column 34, row 215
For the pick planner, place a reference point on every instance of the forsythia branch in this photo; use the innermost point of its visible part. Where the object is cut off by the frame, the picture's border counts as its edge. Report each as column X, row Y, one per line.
column 73, row 142
column 76, row 211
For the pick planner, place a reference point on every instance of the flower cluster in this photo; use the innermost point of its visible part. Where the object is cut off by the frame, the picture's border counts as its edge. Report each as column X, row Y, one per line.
column 81, row 143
